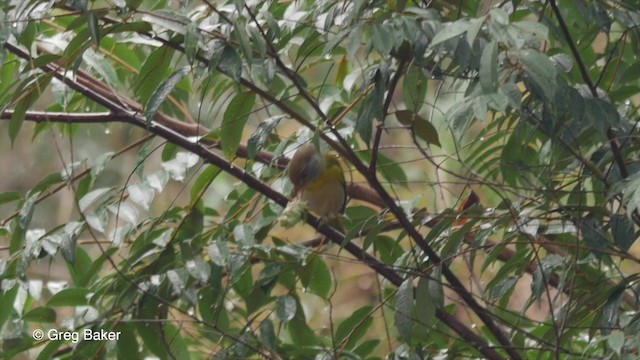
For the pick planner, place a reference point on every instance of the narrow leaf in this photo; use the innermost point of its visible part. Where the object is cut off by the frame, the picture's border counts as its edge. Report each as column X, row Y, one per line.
column 162, row 92
column 259, row 138
column 404, row 309
column 450, row 31
column 191, row 39
column 286, row 308
column 425, row 306
column 10, row 196
column 623, row 232
column 234, row 120
column 489, row 68
column 230, row 63
column 152, row 72
column 70, row 297
column 540, row 74
column 41, row 315
column 127, row 344
column 268, row 334
column 94, row 27
column 354, row 327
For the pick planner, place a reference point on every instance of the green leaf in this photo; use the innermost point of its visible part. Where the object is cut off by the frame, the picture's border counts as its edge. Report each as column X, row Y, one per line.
column 353, row 328
column 26, row 211
column 133, row 4
column 421, row 127
column 594, row 234
column 125, row 27
column 460, row 118
column 600, row 114
column 623, row 231
column 258, row 41
column 425, row 306
column 198, row 269
column 366, row 348
column 78, row 45
column 241, row 276
column 79, row 266
column 268, row 334
column 191, row 39
column 99, row 163
column 391, row 170
column 286, row 308
column 371, row 108
column 405, row 117
column 217, row 48
column 40, row 314
column 11, row 67
column 543, row 272
column 414, row 89
column 27, row 97
column 92, row 197
column 7, row 298
column 234, row 120
column 239, row 30
column 403, row 310
column 95, row 267
column 503, row 287
column 203, row 181
column 94, row 27
column 162, row 92
column 10, row 196
column 388, row 249
column 50, row 350
column 301, row 334
column 207, row 304
column 177, row 167
column 512, row 93
column 450, row 31
column 540, row 74
column 219, row 252
column 127, row 344
column 316, row 277
column 474, row 28
column 230, row 63
column 426, row 131
column 616, row 341
column 141, row 194
column 436, row 288
column 259, row 138
column 70, row 297
column 382, row 40
column 149, row 333
column 611, row 309
column 489, row 68
column 177, row 345
column 152, row 72
column 42, row 60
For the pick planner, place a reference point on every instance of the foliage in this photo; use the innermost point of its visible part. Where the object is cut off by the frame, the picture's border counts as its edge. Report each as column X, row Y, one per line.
column 491, row 153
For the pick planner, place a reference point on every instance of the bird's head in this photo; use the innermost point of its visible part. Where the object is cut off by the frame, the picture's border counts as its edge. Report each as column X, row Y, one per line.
column 305, row 167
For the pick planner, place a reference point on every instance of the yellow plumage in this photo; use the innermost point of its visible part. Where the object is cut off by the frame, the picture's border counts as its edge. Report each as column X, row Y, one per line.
column 319, row 181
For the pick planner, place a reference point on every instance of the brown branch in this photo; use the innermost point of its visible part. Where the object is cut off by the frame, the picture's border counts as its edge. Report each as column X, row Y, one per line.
column 65, row 117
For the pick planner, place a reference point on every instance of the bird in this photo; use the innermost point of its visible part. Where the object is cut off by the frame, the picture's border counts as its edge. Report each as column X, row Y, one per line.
column 319, row 181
